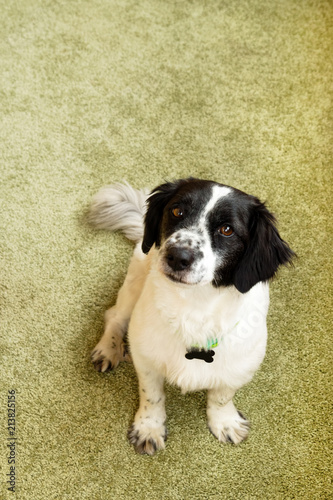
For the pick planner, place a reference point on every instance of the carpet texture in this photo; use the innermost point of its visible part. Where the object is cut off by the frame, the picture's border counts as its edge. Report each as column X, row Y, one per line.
column 96, row 91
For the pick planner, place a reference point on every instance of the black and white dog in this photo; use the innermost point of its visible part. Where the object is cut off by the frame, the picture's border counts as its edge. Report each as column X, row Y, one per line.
column 195, row 298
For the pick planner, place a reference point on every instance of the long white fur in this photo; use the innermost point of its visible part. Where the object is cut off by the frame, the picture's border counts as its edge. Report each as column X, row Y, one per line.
column 119, row 206
column 164, row 319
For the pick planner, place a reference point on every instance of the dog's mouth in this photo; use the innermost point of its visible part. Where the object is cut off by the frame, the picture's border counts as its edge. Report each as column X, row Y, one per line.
column 179, row 279
column 185, row 277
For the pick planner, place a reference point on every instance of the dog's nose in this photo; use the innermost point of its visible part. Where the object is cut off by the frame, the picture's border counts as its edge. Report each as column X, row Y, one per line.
column 179, row 258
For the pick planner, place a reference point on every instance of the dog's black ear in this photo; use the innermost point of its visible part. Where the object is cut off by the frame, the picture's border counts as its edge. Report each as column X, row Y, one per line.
column 158, row 199
column 265, row 252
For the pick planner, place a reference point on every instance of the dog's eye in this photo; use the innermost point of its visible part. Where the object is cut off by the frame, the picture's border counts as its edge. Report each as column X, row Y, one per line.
column 226, row 230
column 177, row 212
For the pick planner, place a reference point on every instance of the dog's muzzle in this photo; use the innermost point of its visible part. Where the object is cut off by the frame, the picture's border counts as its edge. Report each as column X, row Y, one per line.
column 181, row 258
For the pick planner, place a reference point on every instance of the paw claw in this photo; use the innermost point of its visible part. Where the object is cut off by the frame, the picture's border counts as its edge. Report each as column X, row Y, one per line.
column 102, row 364
column 228, row 439
column 95, row 353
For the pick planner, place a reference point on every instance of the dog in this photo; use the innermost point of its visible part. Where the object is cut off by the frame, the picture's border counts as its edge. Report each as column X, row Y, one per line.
column 195, row 298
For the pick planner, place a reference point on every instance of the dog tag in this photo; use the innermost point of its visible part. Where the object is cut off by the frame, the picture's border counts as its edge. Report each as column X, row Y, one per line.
column 201, row 354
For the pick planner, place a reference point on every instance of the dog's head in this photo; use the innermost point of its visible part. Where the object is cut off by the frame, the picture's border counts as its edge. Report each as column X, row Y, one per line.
column 211, row 233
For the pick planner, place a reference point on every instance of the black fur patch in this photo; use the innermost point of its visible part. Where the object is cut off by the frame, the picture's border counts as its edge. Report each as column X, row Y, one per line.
column 189, row 194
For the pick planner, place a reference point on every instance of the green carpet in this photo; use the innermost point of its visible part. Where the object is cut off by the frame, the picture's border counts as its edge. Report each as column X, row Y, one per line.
column 96, row 91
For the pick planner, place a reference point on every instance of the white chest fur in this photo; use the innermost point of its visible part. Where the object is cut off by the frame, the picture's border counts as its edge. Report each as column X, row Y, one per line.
column 195, row 314
column 168, row 319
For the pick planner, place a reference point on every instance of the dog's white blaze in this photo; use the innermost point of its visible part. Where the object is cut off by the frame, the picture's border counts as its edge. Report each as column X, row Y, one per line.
column 217, row 193
column 210, row 257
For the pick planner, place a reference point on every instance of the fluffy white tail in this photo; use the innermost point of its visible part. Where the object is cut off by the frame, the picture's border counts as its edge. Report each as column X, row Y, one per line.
column 120, row 207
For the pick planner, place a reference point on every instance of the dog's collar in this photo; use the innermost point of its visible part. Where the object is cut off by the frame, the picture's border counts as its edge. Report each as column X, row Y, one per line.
column 205, row 353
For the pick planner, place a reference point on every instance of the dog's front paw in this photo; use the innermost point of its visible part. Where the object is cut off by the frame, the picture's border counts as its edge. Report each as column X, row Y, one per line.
column 108, row 355
column 232, row 429
column 147, row 440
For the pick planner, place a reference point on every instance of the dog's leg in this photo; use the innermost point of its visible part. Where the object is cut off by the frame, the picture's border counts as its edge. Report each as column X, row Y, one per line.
column 148, row 432
column 224, row 421
column 111, row 349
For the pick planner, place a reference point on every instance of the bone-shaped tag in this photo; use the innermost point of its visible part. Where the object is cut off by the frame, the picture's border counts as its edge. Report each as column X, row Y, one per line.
column 200, row 354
